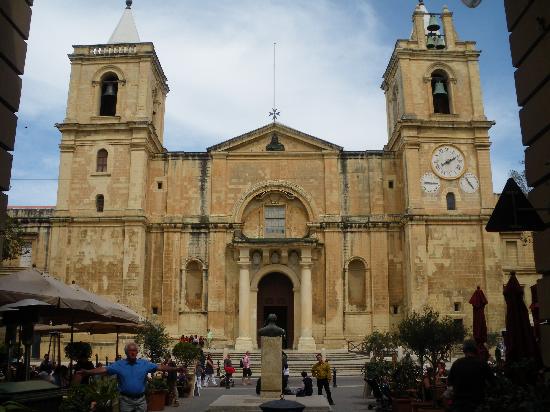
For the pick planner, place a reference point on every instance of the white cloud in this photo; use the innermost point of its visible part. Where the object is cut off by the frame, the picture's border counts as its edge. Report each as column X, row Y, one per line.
column 217, row 55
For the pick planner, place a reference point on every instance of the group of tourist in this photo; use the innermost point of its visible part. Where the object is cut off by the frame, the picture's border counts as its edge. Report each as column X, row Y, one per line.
column 199, row 340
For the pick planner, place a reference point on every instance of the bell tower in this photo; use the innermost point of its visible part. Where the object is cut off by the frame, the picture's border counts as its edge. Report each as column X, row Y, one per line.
column 435, row 113
column 438, row 130
column 114, row 120
column 112, row 130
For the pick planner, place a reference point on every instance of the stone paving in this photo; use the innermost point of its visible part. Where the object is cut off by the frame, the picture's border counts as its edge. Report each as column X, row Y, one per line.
column 348, row 396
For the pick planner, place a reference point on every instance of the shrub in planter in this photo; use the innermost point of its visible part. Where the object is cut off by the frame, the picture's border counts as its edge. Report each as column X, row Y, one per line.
column 379, row 343
column 378, row 370
column 154, row 341
column 405, row 377
column 78, row 350
column 157, row 388
column 186, row 353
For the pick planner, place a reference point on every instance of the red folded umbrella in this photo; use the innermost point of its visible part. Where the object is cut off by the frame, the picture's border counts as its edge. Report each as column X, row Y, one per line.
column 520, row 341
column 478, row 301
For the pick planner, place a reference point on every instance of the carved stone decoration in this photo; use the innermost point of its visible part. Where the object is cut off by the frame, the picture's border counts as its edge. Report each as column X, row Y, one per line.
column 275, row 258
column 275, row 145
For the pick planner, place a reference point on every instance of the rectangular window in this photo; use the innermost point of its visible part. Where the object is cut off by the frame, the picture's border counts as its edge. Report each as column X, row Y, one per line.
column 274, row 221
column 511, row 252
column 457, row 307
column 390, row 184
column 159, row 185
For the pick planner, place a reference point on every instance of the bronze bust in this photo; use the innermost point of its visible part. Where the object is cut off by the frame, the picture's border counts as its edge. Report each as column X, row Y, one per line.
column 271, row 329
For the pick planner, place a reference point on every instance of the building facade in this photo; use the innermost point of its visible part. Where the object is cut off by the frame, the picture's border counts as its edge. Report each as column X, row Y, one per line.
column 337, row 243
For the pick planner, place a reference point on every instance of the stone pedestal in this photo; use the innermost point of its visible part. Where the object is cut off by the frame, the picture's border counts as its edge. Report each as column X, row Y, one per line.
column 271, row 367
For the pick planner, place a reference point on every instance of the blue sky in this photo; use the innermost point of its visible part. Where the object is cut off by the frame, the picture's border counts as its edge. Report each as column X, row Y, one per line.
column 218, row 55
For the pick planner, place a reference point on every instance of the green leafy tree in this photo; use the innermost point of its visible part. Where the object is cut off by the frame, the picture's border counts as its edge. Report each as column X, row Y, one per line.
column 519, row 177
column 154, row 340
column 186, row 353
column 12, row 236
column 430, row 337
column 379, row 343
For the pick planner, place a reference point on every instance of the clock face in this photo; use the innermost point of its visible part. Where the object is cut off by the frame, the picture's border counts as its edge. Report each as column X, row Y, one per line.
column 469, row 183
column 429, row 182
column 448, row 162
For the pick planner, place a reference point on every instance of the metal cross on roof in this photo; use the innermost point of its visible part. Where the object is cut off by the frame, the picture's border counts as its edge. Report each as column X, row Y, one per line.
column 274, row 113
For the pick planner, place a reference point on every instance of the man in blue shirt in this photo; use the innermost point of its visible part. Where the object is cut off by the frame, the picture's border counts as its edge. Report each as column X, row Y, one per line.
column 131, row 374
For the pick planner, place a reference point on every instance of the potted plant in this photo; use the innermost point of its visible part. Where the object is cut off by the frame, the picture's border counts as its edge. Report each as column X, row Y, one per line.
column 104, row 394
column 187, row 354
column 78, row 350
column 430, row 338
column 154, row 341
column 157, row 388
column 380, row 343
column 405, row 377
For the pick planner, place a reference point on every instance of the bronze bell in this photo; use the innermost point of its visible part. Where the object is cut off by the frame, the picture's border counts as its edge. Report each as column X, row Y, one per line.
column 109, row 90
column 440, row 43
column 439, row 88
column 430, row 43
column 433, row 25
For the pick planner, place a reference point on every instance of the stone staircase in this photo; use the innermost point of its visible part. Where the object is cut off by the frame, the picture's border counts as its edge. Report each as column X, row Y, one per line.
column 346, row 363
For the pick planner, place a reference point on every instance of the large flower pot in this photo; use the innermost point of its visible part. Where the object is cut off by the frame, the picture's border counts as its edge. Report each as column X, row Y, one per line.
column 155, row 401
column 401, row 405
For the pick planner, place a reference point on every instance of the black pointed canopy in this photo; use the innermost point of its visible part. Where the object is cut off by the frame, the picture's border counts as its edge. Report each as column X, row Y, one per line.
column 513, row 212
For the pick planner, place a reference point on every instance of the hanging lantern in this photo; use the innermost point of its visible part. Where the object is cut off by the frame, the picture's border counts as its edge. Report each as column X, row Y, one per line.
column 433, row 25
column 439, row 88
column 440, row 42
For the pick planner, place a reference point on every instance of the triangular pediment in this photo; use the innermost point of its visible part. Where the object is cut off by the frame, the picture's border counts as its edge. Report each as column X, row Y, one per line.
column 274, row 137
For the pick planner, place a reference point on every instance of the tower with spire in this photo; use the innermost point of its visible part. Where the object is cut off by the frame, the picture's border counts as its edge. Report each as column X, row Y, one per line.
column 113, row 127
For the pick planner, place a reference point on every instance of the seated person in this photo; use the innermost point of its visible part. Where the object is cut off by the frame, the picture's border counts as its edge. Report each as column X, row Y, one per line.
column 307, row 388
column 426, row 385
column 441, row 374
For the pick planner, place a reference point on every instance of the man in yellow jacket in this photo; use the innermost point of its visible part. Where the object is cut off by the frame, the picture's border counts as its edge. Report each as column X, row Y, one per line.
column 321, row 371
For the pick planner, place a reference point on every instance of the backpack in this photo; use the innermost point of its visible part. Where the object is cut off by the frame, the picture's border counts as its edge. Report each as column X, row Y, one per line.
column 241, row 364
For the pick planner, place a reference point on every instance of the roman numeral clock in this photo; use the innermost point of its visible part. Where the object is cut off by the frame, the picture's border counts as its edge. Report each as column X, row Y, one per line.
column 448, row 163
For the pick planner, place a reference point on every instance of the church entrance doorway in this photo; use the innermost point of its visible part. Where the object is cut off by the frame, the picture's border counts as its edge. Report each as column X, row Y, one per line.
column 275, row 295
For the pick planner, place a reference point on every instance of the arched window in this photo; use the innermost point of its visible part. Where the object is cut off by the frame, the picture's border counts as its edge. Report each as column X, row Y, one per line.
column 109, row 92
column 440, row 92
column 99, row 203
column 451, row 202
column 101, row 162
column 357, row 278
column 193, row 285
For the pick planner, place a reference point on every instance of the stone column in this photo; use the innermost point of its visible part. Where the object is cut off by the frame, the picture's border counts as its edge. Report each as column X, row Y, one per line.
column 306, row 341
column 244, row 342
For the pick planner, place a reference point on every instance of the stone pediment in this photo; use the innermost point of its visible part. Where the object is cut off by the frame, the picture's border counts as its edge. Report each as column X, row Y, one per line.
column 274, row 137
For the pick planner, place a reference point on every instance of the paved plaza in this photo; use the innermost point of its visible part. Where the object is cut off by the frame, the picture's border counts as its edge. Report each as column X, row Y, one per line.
column 348, row 396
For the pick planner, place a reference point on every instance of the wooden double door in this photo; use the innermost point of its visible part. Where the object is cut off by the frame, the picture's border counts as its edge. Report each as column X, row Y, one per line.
column 275, row 295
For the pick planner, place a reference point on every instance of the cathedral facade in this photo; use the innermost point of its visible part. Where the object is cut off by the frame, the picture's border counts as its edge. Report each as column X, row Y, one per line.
column 336, row 243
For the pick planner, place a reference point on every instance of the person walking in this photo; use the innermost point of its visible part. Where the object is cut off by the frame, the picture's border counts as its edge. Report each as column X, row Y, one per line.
column 131, row 374
column 209, row 370
column 247, row 371
column 321, row 371
column 468, row 376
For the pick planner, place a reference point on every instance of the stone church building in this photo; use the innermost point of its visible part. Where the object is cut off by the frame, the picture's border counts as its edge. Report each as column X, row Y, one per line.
column 337, row 243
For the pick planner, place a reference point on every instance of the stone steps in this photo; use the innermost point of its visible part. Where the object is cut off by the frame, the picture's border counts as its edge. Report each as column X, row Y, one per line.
column 346, row 363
